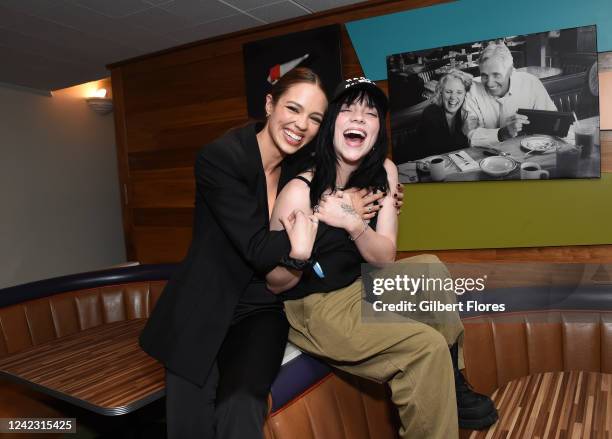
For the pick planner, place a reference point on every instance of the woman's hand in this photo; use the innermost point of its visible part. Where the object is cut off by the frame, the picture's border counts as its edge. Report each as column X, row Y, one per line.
column 302, row 231
column 364, row 201
column 337, row 210
column 367, row 203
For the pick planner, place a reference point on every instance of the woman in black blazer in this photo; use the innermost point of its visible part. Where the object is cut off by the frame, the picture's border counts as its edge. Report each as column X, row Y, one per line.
column 441, row 127
column 220, row 334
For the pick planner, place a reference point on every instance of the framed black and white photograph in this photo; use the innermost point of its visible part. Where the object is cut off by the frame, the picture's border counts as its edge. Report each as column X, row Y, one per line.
column 265, row 61
column 520, row 107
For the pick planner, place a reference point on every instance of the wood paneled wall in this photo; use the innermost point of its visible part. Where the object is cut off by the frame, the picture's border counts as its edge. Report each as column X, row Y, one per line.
column 169, row 104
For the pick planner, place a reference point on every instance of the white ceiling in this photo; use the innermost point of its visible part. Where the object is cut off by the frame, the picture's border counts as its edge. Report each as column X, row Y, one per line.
column 52, row 44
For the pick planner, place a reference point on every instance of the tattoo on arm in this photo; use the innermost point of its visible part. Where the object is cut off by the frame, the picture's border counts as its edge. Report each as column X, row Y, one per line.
column 348, row 209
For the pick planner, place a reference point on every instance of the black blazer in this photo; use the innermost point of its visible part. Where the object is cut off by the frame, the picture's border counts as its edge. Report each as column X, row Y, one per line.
column 434, row 135
column 231, row 241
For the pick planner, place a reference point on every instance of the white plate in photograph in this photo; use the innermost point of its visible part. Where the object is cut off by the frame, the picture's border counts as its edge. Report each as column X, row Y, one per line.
column 539, row 144
column 497, row 166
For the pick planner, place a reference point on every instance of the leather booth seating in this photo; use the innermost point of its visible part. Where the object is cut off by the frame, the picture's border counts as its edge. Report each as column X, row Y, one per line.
column 308, row 399
column 38, row 312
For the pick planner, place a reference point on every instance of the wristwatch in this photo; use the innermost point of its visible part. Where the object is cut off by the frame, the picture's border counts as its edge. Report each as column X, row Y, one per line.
column 296, row 264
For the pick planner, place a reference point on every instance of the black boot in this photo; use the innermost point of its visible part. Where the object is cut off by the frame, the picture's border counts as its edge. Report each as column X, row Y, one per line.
column 475, row 411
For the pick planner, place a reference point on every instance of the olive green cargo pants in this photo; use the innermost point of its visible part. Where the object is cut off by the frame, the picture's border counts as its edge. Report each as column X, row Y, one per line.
column 412, row 357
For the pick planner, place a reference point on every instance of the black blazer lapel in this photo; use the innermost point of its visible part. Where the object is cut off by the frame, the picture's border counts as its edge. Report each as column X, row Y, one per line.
column 254, row 171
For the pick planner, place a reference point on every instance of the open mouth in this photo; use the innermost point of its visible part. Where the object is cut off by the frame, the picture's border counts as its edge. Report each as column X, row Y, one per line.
column 292, row 138
column 354, row 137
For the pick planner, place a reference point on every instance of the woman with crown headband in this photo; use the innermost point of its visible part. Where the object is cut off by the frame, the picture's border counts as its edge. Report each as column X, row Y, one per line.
column 324, row 305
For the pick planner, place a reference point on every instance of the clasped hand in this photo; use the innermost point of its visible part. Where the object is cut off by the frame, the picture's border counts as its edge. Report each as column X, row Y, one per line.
column 367, row 203
column 343, row 209
column 337, row 210
column 302, row 232
column 364, row 202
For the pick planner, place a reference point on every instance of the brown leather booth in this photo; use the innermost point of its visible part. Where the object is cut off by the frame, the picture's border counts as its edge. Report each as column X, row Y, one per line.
column 500, row 349
column 335, row 406
column 31, row 322
column 339, row 406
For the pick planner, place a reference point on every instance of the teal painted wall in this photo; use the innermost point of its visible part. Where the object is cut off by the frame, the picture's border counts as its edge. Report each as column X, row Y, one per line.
column 470, row 20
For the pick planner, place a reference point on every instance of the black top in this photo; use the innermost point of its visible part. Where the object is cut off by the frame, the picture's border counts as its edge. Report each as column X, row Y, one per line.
column 256, row 298
column 231, row 243
column 339, row 258
column 434, row 134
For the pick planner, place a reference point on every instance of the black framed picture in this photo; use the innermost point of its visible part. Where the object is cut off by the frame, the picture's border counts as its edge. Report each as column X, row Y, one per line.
column 520, row 107
column 265, row 61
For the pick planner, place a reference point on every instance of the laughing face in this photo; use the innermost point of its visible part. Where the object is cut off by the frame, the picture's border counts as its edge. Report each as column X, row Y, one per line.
column 453, row 95
column 355, row 131
column 295, row 118
column 495, row 76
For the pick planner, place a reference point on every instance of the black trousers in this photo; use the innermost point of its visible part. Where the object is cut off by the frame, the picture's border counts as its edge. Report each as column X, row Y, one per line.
column 232, row 404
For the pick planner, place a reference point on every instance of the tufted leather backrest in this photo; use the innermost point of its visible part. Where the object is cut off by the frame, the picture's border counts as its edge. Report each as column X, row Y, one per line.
column 500, row 349
column 567, row 101
column 566, row 91
column 340, row 406
column 36, row 321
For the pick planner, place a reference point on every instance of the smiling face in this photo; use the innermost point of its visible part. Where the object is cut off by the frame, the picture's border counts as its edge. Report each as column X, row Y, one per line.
column 355, row 131
column 495, row 76
column 453, row 95
column 294, row 119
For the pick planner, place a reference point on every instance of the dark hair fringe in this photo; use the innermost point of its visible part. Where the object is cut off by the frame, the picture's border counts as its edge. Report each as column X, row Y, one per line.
column 370, row 173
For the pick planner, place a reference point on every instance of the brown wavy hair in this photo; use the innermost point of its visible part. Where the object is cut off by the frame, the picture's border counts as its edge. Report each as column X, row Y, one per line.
column 295, row 76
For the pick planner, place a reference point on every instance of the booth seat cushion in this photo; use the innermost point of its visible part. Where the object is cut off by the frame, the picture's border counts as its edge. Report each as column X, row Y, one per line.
column 298, row 374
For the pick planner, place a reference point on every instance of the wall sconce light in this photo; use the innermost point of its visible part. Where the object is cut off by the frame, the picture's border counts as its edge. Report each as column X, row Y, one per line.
column 100, row 103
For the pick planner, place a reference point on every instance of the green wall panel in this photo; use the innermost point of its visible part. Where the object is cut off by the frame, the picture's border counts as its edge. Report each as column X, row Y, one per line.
column 500, row 214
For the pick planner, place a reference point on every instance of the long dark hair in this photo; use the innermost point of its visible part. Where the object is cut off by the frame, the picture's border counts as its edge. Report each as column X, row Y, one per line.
column 370, row 173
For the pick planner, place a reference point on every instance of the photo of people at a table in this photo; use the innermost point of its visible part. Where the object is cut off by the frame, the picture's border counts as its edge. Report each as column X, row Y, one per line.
column 521, row 107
